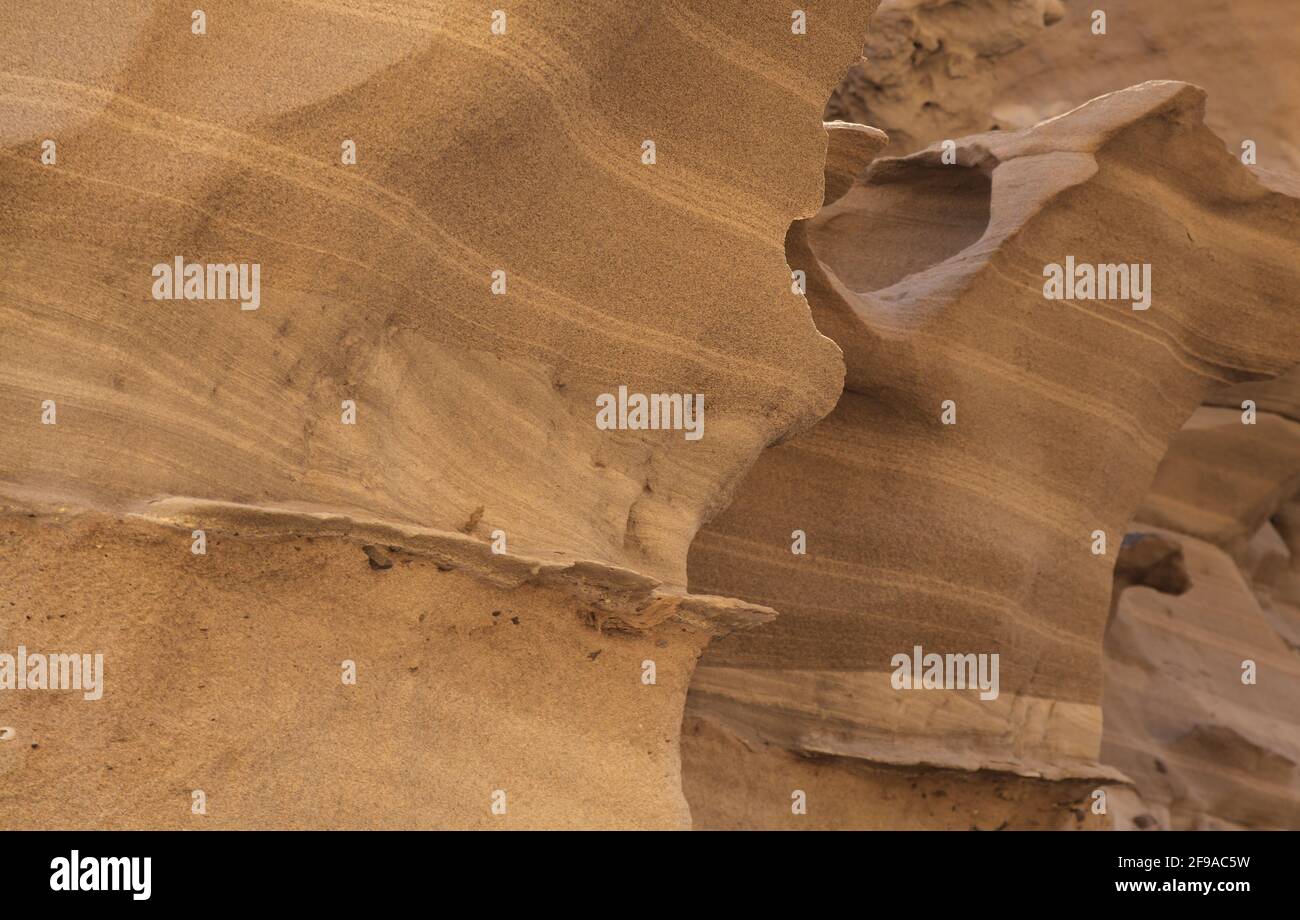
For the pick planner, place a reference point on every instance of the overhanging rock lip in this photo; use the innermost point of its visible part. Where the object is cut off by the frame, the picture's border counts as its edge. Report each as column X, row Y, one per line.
column 615, row 596
column 1031, row 768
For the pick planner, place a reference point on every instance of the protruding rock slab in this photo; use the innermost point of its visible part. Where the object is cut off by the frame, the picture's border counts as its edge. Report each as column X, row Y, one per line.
column 225, row 673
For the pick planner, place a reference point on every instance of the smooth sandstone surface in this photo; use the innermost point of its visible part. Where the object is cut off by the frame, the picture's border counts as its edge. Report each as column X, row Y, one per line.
column 476, row 152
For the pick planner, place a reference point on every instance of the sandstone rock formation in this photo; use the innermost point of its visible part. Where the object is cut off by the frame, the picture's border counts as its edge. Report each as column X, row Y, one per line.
column 1153, row 561
column 1201, row 689
column 930, row 68
column 975, row 536
column 1203, row 748
column 937, row 69
column 503, row 249
column 359, row 550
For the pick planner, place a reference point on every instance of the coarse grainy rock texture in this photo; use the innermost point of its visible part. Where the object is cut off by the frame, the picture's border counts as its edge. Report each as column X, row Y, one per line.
column 503, row 251
column 223, row 674
column 937, row 69
column 980, row 536
column 376, row 280
column 930, row 68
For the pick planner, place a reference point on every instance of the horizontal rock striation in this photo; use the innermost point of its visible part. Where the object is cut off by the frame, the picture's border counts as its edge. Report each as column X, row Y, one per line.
column 463, row 236
column 979, row 536
column 1200, row 688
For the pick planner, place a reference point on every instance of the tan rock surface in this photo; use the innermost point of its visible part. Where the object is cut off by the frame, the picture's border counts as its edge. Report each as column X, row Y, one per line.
column 975, row 537
column 1202, row 688
column 757, row 791
column 1222, row 480
column 475, row 411
column 223, row 674
column 1203, row 748
column 939, row 69
column 377, row 278
column 942, row 440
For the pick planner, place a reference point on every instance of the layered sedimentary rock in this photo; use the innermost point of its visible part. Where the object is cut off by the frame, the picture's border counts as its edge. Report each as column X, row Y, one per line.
column 357, row 550
column 466, row 228
column 1201, row 688
column 377, row 280
column 1222, row 480
column 937, row 69
column 734, row 780
column 986, row 434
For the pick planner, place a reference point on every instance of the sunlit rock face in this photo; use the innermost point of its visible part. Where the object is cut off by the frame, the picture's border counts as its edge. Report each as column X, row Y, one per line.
column 467, row 229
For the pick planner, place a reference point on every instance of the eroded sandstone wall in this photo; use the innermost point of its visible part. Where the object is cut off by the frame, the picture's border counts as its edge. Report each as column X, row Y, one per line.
column 985, row 436
column 436, row 319
column 1201, row 687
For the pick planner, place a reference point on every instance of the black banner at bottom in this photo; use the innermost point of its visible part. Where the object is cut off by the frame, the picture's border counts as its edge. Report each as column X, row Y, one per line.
column 338, row 869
